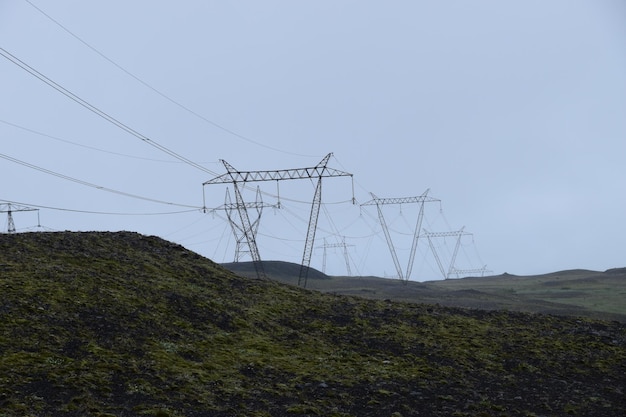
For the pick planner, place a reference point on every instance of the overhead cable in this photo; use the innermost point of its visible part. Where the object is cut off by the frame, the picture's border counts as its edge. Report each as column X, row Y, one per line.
column 171, row 100
column 99, row 112
column 84, row 146
column 107, row 213
column 88, row 184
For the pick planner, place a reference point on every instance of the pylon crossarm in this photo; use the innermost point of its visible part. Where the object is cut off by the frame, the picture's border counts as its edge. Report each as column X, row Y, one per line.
column 424, row 198
column 482, row 271
column 248, row 205
column 335, row 245
column 10, row 207
column 459, row 232
column 318, row 171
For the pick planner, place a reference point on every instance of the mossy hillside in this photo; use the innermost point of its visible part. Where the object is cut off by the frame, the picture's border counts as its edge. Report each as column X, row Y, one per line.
column 593, row 294
column 124, row 324
column 587, row 292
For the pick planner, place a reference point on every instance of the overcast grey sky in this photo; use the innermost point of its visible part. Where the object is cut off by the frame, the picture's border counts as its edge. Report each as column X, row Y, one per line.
column 512, row 113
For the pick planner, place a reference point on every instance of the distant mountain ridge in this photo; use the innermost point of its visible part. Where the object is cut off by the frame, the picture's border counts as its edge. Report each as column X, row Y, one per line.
column 575, row 292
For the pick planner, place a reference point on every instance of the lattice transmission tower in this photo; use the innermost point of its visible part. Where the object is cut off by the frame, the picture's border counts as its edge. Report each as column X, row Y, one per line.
column 241, row 178
column 345, row 254
column 10, row 208
column 421, row 200
column 241, row 244
column 451, row 268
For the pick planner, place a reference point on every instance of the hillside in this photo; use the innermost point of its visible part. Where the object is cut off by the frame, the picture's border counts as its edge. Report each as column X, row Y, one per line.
column 574, row 293
column 277, row 270
column 120, row 324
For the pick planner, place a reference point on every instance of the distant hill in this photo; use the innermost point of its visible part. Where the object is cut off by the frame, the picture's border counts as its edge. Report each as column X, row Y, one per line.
column 277, row 270
column 576, row 292
column 572, row 292
column 120, row 324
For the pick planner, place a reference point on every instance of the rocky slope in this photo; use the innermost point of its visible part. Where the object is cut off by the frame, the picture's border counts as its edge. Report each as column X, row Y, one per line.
column 120, row 324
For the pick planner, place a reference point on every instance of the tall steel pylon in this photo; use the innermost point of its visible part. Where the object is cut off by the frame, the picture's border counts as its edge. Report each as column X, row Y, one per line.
column 236, row 177
column 378, row 202
column 345, row 254
column 10, row 208
column 451, row 268
column 240, row 234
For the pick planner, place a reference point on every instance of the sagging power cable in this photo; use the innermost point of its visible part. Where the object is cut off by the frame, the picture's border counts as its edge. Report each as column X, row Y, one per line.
column 88, row 184
column 12, row 58
column 160, row 93
column 26, row 129
column 107, row 213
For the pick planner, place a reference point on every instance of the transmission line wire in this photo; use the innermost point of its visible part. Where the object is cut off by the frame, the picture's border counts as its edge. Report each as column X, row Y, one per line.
column 83, row 146
column 108, row 117
column 107, row 213
column 88, row 184
column 97, row 111
column 171, row 100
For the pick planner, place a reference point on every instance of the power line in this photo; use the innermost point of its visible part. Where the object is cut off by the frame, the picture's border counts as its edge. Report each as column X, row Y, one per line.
column 171, row 100
column 106, row 116
column 97, row 111
column 84, row 146
column 107, row 213
column 88, row 184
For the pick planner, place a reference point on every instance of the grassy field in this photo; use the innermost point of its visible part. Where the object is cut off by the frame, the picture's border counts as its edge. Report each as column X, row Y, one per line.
column 120, row 324
column 574, row 292
column 602, row 292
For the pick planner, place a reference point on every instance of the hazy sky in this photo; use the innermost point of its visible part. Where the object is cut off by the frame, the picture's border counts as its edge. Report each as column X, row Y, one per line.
column 512, row 113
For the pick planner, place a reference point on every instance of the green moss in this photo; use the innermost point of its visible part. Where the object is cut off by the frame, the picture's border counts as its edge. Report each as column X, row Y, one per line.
column 98, row 323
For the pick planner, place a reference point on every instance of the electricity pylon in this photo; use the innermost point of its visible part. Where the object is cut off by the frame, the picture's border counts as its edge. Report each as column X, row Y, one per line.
column 482, row 271
column 10, row 209
column 240, row 235
column 345, row 253
column 378, row 202
column 242, row 177
column 451, row 268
